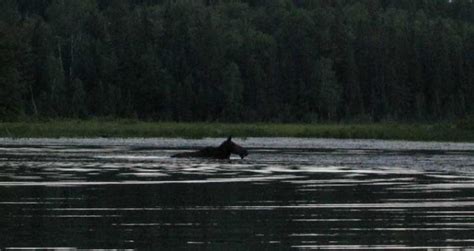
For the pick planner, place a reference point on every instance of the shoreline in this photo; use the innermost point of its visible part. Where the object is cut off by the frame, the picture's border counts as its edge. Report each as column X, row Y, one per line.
column 443, row 132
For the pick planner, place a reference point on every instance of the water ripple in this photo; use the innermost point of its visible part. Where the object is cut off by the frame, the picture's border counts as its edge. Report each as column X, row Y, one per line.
column 288, row 193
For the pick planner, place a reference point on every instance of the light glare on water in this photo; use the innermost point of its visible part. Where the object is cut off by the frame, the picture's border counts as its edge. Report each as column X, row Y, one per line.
column 288, row 193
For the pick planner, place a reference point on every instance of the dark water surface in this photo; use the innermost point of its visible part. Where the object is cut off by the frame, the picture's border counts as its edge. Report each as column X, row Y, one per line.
column 288, row 193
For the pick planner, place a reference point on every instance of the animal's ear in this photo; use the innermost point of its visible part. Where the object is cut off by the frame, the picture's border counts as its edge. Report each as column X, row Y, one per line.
column 229, row 138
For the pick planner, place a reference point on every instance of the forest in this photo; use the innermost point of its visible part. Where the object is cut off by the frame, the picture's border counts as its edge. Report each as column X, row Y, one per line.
column 237, row 60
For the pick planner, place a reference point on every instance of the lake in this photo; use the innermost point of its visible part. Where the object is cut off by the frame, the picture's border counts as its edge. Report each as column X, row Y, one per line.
column 288, row 193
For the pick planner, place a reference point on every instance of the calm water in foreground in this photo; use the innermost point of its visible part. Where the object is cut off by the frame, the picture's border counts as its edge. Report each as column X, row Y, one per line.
column 288, row 193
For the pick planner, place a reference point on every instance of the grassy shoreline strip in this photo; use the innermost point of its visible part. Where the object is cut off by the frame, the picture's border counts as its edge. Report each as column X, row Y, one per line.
column 127, row 128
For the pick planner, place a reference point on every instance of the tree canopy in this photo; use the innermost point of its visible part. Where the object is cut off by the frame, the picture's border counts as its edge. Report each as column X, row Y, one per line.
column 238, row 60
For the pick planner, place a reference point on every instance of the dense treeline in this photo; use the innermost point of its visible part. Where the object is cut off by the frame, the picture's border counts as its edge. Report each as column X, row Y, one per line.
column 231, row 60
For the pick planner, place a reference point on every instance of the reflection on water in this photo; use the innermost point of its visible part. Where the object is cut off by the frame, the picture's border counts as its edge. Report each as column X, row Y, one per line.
column 288, row 193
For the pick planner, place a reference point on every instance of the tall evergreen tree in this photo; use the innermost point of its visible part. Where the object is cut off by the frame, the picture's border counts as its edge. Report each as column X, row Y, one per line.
column 11, row 89
column 233, row 90
column 330, row 91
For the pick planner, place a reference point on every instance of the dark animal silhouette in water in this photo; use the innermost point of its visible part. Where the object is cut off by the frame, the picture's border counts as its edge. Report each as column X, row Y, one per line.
column 221, row 152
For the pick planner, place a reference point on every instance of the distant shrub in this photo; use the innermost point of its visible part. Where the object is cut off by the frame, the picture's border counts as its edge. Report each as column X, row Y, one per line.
column 466, row 123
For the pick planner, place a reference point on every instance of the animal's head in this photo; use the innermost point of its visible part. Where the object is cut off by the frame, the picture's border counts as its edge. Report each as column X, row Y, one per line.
column 234, row 148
